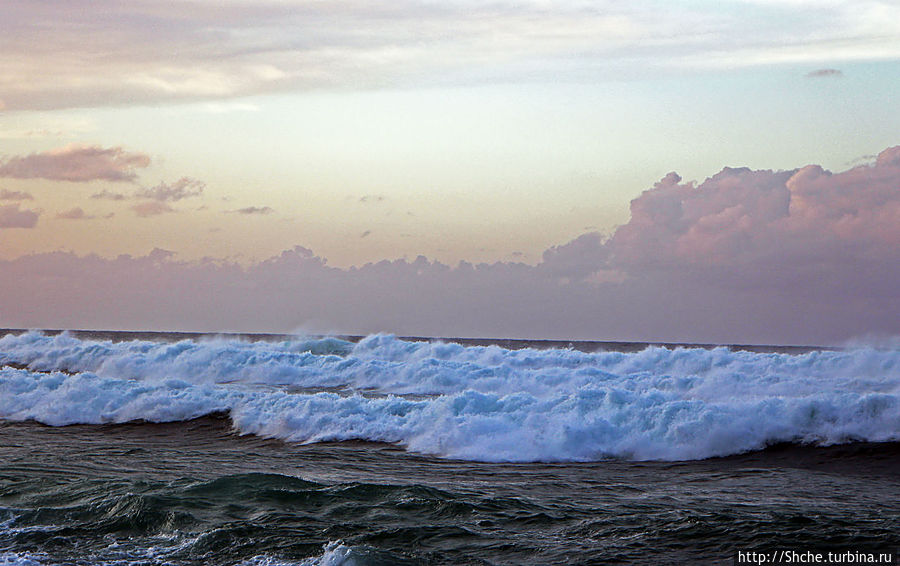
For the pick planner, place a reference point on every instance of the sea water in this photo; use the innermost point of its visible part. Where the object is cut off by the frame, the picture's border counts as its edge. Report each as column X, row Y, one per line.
column 154, row 449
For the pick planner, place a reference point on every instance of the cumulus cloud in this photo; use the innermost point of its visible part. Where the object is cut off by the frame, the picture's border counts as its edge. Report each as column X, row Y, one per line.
column 15, row 195
column 183, row 188
column 12, row 217
column 805, row 256
column 740, row 217
column 76, row 163
column 151, row 208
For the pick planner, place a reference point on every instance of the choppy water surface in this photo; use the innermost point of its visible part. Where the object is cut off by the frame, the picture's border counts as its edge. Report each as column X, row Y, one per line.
column 325, row 451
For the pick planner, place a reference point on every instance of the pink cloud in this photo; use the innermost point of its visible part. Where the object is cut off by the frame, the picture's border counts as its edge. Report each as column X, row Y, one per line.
column 76, row 163
column 12, row 217
column 739, row 217
column 76, row 213
column 15, row 195
column 183, row 188
column 151, row 208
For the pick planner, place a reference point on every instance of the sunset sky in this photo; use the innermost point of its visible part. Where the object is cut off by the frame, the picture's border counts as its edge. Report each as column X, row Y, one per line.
column 195, row 136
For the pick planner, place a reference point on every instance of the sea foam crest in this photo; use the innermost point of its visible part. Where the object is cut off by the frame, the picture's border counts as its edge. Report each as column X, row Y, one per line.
column 334, row 554
column 479, row 403
column 18, row 559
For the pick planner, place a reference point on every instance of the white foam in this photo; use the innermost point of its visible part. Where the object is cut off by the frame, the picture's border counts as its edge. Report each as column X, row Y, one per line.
column 334, row 554
column 19, row 559
column 478, row 403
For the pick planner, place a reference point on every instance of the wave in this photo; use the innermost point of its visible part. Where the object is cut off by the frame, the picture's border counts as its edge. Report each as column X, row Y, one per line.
column 248, row 519
column 482, row 403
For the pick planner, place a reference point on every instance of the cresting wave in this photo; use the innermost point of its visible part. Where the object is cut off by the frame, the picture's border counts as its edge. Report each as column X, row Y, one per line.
column 473, row 403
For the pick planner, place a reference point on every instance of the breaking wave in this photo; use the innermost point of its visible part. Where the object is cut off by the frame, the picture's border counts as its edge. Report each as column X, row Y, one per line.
column 482, row 403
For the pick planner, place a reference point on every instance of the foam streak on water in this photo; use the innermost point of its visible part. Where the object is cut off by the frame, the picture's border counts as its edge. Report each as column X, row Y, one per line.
column 466, row 402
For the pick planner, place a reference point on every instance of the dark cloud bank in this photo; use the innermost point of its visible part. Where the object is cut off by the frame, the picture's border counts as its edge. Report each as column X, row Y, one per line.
column 804, row 256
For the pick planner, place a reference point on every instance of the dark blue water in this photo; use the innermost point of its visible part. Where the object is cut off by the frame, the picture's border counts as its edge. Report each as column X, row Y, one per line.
column 196, row 493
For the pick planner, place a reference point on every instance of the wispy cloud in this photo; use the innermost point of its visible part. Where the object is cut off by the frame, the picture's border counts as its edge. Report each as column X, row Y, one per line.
column 141, row 52
column 229, row 107
column 40, row 125
column 76, row 163
column 253, row 210
column 108, row 195
column 12, row 217
column 76, row 213
column 15, row 195
column 825, row 73
column 183, row 188
column 151, row 208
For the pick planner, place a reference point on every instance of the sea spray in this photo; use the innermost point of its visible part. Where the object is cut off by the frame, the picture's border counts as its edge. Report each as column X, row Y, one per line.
column 481, row 403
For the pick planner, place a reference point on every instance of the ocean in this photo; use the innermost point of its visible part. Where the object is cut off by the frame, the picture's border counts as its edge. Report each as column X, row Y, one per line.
column 177, row 449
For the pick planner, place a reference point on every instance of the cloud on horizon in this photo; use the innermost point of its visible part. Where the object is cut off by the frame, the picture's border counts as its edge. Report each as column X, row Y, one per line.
column 785, row 220
column 76, row 163
column 805, row 256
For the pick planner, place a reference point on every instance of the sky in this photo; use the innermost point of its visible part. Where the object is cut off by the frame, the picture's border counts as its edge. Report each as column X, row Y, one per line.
column 683, row 171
